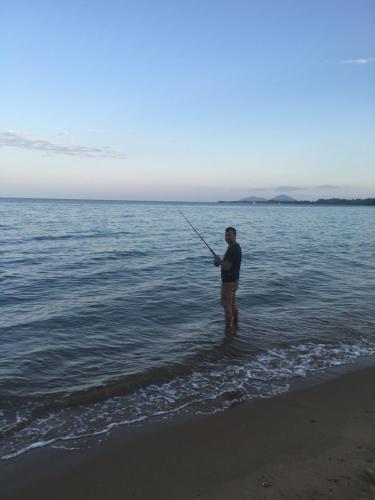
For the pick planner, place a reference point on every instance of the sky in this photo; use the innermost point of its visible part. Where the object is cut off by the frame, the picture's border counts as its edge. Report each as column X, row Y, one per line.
column 194, row 100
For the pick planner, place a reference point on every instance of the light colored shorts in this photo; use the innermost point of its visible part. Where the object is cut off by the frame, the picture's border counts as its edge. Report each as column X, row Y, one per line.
column 228, row 293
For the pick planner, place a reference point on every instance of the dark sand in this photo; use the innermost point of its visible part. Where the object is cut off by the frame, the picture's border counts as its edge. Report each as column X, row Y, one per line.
column 314, row 443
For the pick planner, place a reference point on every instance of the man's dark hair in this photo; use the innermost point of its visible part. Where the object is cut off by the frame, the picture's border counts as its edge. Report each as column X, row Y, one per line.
column 230, row 228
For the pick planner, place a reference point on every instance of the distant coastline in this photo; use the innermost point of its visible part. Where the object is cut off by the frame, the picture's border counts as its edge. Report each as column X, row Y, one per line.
column 274, row 201
column 321, row 201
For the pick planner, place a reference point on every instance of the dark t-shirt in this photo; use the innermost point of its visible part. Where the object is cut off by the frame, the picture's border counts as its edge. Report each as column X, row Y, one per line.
column 233, row 255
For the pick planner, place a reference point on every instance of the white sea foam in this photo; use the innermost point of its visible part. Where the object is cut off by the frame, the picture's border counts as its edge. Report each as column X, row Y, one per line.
column 38, row 444
column 213, row 388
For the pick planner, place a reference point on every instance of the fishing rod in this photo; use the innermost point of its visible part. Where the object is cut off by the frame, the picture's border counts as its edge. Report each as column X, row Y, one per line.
column 193, row 228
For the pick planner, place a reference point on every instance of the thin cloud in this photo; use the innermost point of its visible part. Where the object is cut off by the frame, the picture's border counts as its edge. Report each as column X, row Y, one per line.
column 359, row 61
column 304, row 188
column 64, row 133
column 330, row 186
column 290, row 188
column 257, row 188
column 19, row 139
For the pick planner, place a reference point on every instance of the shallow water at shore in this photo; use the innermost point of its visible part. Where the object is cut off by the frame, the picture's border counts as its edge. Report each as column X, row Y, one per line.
column 110, row 311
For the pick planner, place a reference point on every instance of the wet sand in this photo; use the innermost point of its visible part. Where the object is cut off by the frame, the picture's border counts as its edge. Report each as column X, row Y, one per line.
column 314, row 443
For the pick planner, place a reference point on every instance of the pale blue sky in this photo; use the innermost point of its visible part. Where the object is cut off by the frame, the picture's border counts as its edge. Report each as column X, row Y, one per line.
column 194, row 100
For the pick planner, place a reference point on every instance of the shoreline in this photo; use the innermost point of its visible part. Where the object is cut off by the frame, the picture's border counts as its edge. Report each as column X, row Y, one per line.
column 315, row 440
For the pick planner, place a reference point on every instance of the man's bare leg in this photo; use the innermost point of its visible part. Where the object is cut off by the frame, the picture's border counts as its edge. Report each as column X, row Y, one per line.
column 234, row 314
column 228, row 315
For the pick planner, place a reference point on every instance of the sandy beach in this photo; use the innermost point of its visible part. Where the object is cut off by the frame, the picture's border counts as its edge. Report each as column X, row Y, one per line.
column 312, row 443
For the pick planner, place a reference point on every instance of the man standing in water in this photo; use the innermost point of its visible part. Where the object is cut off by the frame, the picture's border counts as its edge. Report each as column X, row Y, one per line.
column 230, row 274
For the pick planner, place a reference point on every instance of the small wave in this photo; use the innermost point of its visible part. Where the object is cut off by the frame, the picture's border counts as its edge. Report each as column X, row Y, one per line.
column 76, row 236
column 118, row 255
column 93, row 395
column 212, row 387
column 51, row 237
column 25, row 260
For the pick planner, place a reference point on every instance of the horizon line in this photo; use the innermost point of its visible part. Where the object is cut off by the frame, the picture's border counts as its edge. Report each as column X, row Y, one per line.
column 100, row 199
column 167, row 201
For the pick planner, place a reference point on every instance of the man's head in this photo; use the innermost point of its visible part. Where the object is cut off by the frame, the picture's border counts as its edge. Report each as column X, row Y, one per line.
column 230, row 235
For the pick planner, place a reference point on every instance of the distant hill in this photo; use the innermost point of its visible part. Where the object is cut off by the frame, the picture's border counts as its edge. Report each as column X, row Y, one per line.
column 282, row 197
column 253, row 198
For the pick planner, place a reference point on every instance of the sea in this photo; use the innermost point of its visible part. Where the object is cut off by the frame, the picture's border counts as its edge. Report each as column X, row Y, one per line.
column 110, row 314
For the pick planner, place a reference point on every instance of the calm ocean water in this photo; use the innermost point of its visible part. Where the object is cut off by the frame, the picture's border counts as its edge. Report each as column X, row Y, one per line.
column 110, row 313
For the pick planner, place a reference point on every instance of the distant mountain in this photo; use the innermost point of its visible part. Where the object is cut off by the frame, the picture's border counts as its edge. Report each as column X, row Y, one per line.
column 282, row 197
column 253, row 198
